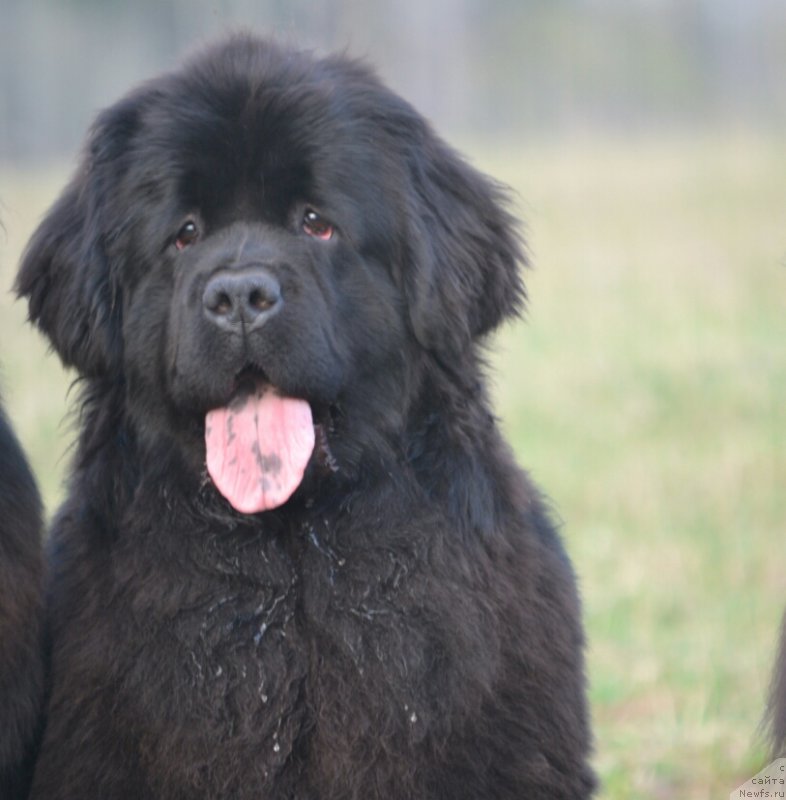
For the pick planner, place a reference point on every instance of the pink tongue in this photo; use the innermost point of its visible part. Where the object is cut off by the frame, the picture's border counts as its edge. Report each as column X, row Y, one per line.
column 258, row 448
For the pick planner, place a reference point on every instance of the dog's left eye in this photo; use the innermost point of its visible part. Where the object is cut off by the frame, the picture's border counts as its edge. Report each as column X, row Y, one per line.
column 317, row 226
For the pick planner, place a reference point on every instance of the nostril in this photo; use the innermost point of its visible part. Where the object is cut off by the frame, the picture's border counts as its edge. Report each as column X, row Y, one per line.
column 222, row 304
column 238, row 298
column 261, row 300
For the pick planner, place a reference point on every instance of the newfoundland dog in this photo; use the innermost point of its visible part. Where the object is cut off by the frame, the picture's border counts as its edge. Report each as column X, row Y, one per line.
column 21, row 612
column 296, row 559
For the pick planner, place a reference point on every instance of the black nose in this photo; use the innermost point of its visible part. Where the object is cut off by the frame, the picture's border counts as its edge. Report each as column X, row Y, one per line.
column 241, row 298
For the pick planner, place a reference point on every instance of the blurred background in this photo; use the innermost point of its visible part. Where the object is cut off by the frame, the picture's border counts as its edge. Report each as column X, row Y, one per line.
column 645, row 141
column 534, row 68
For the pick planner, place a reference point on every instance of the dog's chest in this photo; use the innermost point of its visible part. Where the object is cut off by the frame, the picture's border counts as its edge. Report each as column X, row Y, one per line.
column 236, row 644
column 214, row 670
column 257, row 638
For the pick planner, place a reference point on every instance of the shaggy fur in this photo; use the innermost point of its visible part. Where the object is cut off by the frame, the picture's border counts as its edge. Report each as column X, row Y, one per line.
column 407, row 625
column 21, row 616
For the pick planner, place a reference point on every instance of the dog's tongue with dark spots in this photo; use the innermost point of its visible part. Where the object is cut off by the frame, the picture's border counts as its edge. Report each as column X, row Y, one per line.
column 258, row 448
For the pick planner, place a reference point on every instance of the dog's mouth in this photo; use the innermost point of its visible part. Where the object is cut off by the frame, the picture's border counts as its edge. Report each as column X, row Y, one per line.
column 259, row 444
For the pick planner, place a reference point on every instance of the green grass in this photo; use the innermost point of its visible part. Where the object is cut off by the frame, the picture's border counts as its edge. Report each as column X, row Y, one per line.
column 647, row 395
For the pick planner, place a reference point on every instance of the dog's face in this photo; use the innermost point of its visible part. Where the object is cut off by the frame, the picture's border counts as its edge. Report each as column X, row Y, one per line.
column 264, row 227
column 262, row 248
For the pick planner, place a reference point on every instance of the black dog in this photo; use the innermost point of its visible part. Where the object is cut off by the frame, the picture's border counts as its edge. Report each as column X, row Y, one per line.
column 297, row 559
column 21, row 615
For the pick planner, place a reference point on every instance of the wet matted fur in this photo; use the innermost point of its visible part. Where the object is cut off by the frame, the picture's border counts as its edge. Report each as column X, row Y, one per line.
column 407, row 624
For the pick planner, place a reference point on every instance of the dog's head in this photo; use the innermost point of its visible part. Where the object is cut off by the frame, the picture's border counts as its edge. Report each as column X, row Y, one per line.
column 261, row 227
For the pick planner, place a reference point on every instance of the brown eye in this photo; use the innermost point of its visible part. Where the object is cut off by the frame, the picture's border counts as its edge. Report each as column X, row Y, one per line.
column 187, row 235
column 316, row 226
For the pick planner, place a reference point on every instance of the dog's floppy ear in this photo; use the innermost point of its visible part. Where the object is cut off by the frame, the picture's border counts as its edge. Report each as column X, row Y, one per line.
column 66, row 274
column 466, row 248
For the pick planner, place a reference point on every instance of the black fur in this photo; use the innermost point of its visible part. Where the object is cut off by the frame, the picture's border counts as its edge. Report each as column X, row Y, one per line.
column 407, row 625
column 21, row 616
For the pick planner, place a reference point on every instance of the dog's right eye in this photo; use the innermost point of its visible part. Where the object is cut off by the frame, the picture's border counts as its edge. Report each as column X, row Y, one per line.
column 187, row 235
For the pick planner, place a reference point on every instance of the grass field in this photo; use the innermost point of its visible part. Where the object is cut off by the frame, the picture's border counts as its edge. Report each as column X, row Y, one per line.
column 647, row 395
